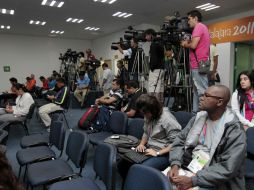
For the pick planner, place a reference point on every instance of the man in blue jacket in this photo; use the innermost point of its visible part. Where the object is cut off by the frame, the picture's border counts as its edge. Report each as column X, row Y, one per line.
column 58, row 102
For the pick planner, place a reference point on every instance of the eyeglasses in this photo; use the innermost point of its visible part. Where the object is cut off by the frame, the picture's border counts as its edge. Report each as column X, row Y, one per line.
column 211, row 96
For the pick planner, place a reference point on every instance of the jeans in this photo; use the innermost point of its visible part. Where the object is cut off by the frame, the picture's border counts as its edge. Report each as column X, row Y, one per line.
column 160, row 162
column 200, row 84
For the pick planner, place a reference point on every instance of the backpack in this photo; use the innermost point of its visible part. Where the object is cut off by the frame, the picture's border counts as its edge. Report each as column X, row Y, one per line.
column 88, row 117
column 102, row 119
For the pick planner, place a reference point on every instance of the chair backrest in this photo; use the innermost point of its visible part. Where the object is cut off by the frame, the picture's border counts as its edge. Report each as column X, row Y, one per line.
column 183, row 117
column 250, row 142
column 57, row 134
column 145, row 177
column 136, row 127
column 105, row 164
column 118, row 122
column 77, row 148
column 3, row 137
column 31, row 111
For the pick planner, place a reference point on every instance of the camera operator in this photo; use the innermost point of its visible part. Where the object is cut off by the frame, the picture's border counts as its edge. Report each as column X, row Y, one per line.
column 199, row 45
column 130, row 54
column 89, row 55
column 156, row 65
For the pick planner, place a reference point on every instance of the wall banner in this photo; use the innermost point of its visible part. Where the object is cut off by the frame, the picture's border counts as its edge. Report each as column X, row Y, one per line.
column 233, row 30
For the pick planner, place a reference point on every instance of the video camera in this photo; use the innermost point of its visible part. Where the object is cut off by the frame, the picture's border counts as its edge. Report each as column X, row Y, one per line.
column 174, row 30
column 92, row 65
column 124, row 44
column 139, row 35
column 70, row 56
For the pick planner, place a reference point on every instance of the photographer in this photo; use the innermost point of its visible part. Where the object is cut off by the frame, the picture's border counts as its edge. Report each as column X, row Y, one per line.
column 107, row 78
column 130, row 54
column 89, row 55
column 156, row 65
column 199, row 45
column 122, row 73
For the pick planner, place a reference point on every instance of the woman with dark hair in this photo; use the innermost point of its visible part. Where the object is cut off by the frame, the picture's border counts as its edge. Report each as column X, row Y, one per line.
column 160, row 130
column 243, row 99
column 8, row 180
column 23, row 102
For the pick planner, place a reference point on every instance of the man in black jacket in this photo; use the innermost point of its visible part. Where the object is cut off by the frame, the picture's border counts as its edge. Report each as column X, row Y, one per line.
column 156, row 65
column 58, row 102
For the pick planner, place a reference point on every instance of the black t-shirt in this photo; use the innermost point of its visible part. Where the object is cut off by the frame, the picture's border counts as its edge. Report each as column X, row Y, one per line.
column 132, row 103
column 156, row 56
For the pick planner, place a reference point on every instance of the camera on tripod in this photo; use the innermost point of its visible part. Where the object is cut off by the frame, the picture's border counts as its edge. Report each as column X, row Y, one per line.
column 92, row 65
column 124, row 44
column 174, row 30
column 70, row 56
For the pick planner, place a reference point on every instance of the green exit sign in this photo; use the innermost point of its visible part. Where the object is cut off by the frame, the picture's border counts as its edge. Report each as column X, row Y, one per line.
column 7, row 69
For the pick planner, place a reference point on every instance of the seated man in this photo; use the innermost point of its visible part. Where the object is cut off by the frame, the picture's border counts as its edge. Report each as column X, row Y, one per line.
column 82, row 88
column 160, row 131
column 30, row 85
column 58, row 101
column 212, row 147
column 9, row 94
column 133, row 92
column 112, row 100
column 23, row 102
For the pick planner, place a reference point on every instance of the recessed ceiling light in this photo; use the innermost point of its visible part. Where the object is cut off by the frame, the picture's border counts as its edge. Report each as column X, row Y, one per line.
column 122, row 14
column 6, row 11
column 56, row 32
column 105, row 1
column 37, row 22
column 52, row 3
column 207, row 7
column 92, row 28
column 5, row 27
column 74, row 20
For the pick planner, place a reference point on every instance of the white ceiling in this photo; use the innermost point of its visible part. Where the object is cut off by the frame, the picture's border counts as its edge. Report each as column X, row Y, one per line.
column 100, row 15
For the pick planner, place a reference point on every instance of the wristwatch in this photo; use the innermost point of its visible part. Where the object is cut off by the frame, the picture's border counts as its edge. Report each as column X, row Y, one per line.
column 158, row 153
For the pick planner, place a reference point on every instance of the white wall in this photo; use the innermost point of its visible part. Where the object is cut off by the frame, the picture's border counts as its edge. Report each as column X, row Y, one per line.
column 37, row 55
column 226, row 63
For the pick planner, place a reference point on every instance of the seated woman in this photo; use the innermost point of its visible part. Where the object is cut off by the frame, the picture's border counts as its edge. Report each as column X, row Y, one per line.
column 242, row 101
column 23, row 102
column 160, row 130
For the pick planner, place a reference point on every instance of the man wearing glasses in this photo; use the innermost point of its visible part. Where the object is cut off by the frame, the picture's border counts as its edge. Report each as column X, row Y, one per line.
column 210, row 151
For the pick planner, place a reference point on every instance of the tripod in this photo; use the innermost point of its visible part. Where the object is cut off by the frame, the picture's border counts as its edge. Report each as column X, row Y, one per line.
column 140, row 73
column 180, row 81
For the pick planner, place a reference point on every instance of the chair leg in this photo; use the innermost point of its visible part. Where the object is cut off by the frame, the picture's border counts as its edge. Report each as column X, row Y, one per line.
column 26, row 129
column 24, row 177
column 19, row 171
column 66, row 121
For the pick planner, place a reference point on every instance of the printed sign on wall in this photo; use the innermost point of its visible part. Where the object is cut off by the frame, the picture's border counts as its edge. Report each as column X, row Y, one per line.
column 233, row 30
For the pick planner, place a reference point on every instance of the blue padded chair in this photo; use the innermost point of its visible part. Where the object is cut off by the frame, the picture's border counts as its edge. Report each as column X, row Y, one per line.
column 42, row 153
column 136, row 127
column 249, row 161
column 45, row 173
column 147, row 178
column 3, row 139
column 23, row 121
column 183, row 117
column 104, row 167
column 39, row 139
column 117, row 123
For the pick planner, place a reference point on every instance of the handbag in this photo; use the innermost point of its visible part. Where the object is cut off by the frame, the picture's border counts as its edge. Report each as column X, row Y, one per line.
column 203, row 66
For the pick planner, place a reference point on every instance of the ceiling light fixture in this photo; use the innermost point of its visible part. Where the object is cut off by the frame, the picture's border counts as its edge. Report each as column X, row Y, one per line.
column 122, row 14
column 52, row 3
column 92, row 28
column 56, row 32
column 105, row 1
column 75, row 20
column 6, row 11
column 207, row 7
column 37, row 22
column 5, row 27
